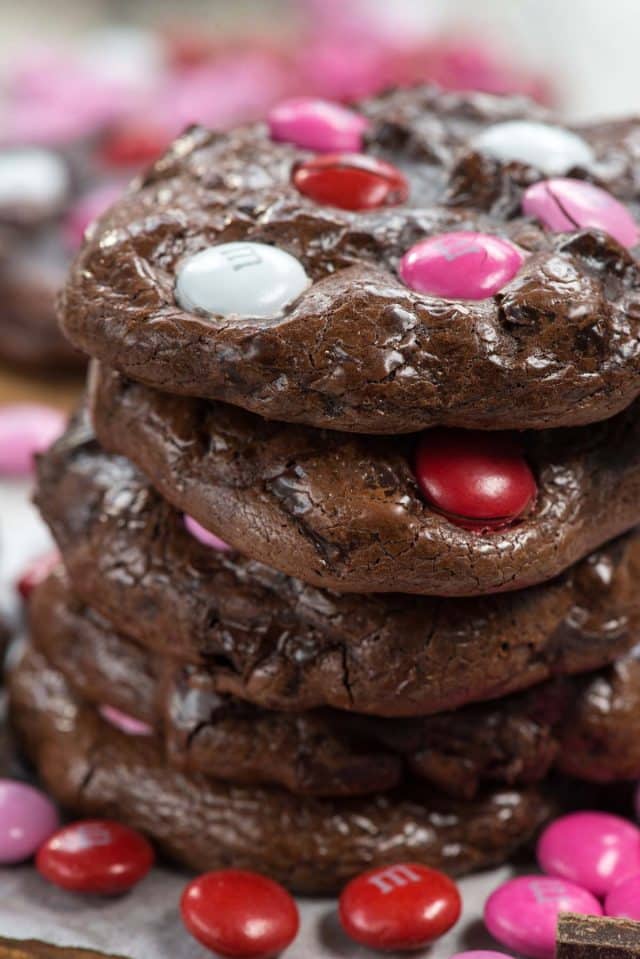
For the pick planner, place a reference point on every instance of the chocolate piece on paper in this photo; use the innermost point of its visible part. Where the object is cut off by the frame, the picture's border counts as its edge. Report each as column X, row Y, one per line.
column 597, row 937
column 34, row 949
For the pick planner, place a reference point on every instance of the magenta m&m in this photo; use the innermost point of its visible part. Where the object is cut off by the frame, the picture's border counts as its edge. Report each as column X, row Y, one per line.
column 481, row 481
column 623, row 902
column 564, row 205
column 318, row 125
column 461, row 266
column 124, row 722
column 400, row 907
column 351, row 181
column 95, row 856
column 27, row 819
column 205, row 536
column 523, row 913
column 240, row 914
column 552, row 149
column 596, row 850
column 25, row 430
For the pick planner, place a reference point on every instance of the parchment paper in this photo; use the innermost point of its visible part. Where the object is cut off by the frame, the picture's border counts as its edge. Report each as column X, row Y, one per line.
column 145, row 924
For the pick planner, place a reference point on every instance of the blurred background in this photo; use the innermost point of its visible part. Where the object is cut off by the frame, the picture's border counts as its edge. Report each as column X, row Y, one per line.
column 92, row 91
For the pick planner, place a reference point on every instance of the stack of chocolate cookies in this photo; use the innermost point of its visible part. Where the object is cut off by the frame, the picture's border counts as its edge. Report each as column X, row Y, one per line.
column 349, row 572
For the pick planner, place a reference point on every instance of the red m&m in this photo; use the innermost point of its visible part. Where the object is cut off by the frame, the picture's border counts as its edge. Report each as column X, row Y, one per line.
column 405, row 906
column 240, row 914
column 95, row 855
column 318, row 125
column 351, row 181
column 480, row 481
column 564, row 205
column 462, row 265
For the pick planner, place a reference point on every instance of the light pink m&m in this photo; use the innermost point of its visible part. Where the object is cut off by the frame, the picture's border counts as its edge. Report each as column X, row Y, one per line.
column 27, row 819
column 317, row 125
column 204, row 536
column 26, row 429
column 564, row 205
column 594, row 849
column 127, row 724
column 523, row 913
column 623, row 902
column 461, row 266
column 87, row 209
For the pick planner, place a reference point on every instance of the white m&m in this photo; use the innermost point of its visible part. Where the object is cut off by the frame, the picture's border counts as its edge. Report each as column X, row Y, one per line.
column 32, row 177
column 240, row 279
column 553, row 150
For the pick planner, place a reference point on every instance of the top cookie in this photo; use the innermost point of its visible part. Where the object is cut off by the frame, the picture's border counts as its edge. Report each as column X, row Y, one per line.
column 454, row 260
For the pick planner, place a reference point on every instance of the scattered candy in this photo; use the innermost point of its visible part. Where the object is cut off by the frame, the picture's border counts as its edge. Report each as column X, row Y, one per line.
column 523, row 913
column 95, row 856
column 351, row 181
column 242, row 279
column 87, row 209
column 564, row 205
column 593, row 937
column 32, row 177
column 593, row 849
column 241, row 914
column 553, row 150
column 27, row 819
column 461, row 265
column 624, row 900
column 399, row 907
column 26, row 429
column 36, row 572
column 480, row 481
column 318, row 125
column 206, row 537
column 133, row 145
column 124, row 722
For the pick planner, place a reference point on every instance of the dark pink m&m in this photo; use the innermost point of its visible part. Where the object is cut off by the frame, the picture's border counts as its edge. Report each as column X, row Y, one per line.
column 564, row 205
column 480, row 481
column 95, row 856
column 400, row 907
column 240, row 914
column 350, row 181
column 461, row 266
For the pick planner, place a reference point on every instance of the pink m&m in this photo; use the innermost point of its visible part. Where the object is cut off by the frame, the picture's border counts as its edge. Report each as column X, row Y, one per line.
column 594, row 849
column 204, row 536
column 564, row 205
column 317, row 125
column 461, row 266
column 481, row 954
column 26, row 429
column 87, row 209
column 27, row 819
column 623, row 902
column 127, row 724
column 523, row 913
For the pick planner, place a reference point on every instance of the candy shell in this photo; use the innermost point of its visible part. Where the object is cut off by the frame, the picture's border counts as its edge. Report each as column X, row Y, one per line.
column 27, row 819
column 205, row 536
column 26, row 429
column 552, row 149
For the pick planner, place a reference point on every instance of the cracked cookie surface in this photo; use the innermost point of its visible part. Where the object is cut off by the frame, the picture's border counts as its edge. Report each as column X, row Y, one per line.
column 282, row 644
column 359, row 351
column 343, row 511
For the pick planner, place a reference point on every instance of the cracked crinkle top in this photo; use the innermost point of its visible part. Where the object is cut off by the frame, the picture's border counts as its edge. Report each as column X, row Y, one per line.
column 423, row 259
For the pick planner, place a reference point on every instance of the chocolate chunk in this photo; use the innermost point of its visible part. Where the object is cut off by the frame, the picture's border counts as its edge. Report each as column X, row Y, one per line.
column 344, row 511
column 35, row 949
column 597, row 937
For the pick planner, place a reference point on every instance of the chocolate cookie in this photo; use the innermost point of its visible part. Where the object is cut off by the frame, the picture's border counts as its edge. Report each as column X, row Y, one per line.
column 346, row 512
column 354, row 336
column 514, row 740
column 311, row 845
column 282, row 644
